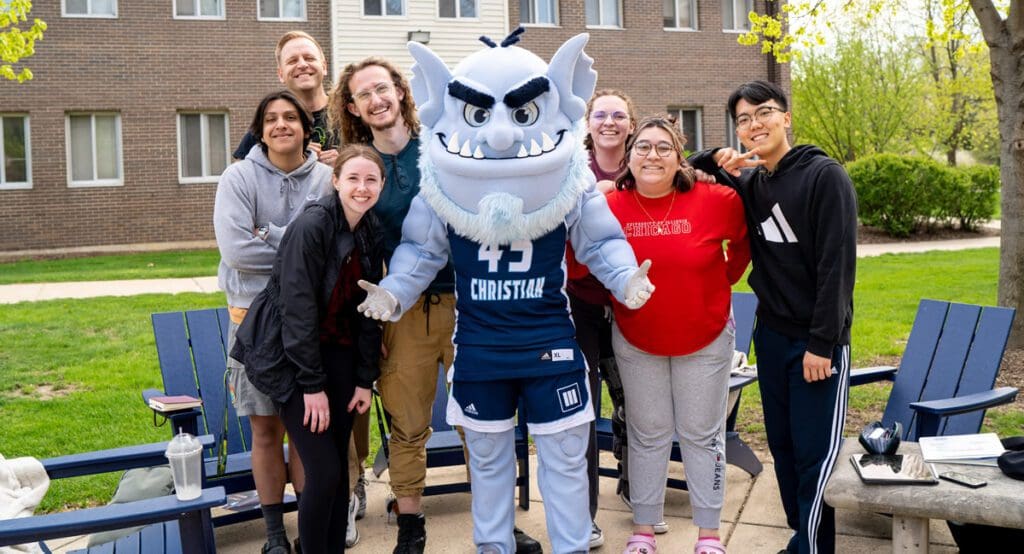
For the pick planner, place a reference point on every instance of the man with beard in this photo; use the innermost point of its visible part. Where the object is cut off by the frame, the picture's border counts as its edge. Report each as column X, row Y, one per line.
column 372, row 103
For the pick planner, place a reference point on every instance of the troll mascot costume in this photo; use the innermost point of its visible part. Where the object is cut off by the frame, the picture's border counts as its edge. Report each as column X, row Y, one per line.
column 504, row 185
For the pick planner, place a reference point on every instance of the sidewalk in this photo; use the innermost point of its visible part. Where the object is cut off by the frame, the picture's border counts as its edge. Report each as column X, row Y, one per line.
column 752, row 520
column 29, row 292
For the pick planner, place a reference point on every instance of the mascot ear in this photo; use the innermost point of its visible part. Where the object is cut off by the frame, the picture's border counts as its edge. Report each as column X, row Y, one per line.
column 430, row 76
column 572, row 74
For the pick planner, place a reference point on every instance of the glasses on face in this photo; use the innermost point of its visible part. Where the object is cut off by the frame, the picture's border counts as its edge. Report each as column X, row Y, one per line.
column 643, row 148
column 380, row 90
column 762, row 115
column 617, row 117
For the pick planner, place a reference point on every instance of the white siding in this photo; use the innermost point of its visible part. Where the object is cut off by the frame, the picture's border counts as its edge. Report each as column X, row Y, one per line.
column 355, row 36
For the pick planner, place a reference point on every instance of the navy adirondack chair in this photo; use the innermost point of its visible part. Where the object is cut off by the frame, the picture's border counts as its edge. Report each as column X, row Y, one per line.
column 444, row 448
column 945, row 379
column 172, row 526
column 737, row 452
column 191, row 347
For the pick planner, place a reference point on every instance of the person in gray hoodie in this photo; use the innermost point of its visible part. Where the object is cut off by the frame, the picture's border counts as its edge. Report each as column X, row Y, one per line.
column 256, row 200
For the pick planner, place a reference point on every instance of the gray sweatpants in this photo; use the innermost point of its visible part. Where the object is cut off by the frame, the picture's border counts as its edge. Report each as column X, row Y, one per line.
column 669, row 396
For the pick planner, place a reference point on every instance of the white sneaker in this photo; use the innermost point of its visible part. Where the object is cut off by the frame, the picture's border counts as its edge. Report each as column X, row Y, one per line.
column 351, row 533
column 596, row 535
column 660, row 528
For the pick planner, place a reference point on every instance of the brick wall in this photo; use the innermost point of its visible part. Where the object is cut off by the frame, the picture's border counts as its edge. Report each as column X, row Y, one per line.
column 657, row 68
column 146, row 66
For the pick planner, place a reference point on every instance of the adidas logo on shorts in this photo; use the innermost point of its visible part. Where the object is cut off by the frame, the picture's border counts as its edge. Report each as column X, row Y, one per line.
column 470, row 409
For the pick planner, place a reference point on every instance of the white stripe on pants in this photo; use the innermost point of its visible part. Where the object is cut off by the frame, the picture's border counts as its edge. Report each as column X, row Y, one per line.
column 682, row 396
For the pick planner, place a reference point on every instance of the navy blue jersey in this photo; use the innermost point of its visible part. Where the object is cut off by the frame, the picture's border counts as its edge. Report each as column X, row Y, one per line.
column 513, row 314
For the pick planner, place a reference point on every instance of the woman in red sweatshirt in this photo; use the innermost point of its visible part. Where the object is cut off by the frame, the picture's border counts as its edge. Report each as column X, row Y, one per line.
column 674, row 354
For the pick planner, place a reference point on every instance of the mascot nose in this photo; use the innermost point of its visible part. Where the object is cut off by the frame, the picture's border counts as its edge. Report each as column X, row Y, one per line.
column 501, row 135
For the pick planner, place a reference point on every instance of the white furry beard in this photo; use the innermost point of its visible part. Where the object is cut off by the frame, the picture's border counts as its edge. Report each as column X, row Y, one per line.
column 500, row 218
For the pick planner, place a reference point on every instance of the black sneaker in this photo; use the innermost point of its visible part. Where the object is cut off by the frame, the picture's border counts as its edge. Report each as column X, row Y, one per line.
column 277, row 545
column 412, row 534
column 525, row 544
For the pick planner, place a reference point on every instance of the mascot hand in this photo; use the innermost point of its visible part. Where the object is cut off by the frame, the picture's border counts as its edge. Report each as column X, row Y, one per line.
column 639, row 287
column 379, row 303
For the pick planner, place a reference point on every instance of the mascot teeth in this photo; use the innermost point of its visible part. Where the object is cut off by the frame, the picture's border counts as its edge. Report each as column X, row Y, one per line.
column 453, row 144
column 547, row 144
column 534, row 148
column 522, row 152
column 478, row 154
column 467, row 151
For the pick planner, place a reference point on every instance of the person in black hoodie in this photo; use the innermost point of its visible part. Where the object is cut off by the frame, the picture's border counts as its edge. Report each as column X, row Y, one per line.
column 802, row 216
column 310, row 350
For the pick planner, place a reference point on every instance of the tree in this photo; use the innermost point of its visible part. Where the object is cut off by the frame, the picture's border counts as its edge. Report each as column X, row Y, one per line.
column 1002, row 26
column 17, row 44
column 857, row 98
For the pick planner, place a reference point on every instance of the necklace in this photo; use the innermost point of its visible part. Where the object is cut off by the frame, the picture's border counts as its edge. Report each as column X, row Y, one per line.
column 660, row 227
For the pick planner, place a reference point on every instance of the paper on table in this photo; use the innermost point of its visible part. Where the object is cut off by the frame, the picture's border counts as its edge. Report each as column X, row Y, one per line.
column 978, row 448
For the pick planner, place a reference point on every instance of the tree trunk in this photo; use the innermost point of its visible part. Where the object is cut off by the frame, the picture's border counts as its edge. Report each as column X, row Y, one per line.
column 1005, row 38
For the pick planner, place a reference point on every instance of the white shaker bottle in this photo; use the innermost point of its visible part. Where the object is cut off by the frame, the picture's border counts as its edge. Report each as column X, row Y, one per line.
column 185, row 454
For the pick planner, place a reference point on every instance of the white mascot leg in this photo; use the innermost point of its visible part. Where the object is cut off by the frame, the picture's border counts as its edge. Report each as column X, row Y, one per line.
column 562, row 477
column 492, row 465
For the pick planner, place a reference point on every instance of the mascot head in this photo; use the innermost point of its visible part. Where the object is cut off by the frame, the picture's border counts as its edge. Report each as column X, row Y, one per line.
column 502, row 156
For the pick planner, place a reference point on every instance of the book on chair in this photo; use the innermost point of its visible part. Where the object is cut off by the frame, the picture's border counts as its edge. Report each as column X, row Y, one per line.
column 174, row 403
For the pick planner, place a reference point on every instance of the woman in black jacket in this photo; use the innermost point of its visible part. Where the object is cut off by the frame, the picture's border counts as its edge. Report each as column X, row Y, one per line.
column 326, row 360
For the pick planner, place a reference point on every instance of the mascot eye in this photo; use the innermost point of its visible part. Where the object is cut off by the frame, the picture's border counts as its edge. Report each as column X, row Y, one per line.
column 475, row 115
column 526, row 115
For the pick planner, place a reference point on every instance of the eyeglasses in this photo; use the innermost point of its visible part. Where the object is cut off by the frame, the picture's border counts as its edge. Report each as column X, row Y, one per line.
column 762, row 115
column 643, row 148
column 380, row 90
column 618, row 117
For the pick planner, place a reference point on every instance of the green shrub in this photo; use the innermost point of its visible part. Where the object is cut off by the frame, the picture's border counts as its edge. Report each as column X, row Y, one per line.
column 979, row 197
column 894, row 192
column 904, row 194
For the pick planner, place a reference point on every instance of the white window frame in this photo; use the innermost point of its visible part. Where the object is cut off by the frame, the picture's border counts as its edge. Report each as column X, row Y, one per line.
column 458, row 12
column 196, row 4
column 600, row 14
column 16, row 185
column 731, row 138
column 693, row 17
column 384, row 9
column 204, row 142
column 280, row 9
column 697, row 142
column 115, row 182
column 555, row 16
column 64, row 11
column 738, row 16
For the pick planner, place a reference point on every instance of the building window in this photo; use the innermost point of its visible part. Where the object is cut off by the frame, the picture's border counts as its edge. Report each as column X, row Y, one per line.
column 456, row 8
column 688, row 120
column 604, row 13
column 680, row 14
column 734, row 14
column 15, row 159
column 94, row 149
column 282, row 9
column 199, row 9
column 730, row 134
column 90, row 8
column 202, row 146
column 538, row 12
column 384, row 7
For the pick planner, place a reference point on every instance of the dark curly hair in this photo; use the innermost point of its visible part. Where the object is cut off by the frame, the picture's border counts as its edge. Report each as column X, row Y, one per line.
column 351, row 128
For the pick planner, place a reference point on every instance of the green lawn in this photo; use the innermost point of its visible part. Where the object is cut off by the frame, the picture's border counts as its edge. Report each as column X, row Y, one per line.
column 71, row 370
column 146, row 265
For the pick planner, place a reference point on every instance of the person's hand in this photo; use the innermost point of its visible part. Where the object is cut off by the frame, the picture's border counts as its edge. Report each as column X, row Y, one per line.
column 315, row 147
column 604, row 186
column 733, row 161
column 383, row 351
column 816, row 368
column 318, row 412
column 360, row 400
column 379, row 303
column 328, row 156
column 705, row 177
column 639, row 287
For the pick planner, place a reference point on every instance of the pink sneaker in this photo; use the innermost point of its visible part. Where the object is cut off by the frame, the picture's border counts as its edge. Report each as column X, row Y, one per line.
column 640, row 544
column 709, row 545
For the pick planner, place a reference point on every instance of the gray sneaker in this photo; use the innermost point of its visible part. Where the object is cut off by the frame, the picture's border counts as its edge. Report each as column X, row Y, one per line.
column 351, row 533
column 596, row 536
column 361, row 494
column 660, row 528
